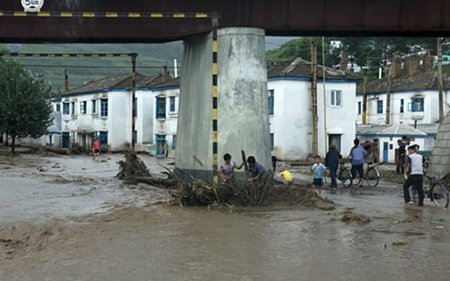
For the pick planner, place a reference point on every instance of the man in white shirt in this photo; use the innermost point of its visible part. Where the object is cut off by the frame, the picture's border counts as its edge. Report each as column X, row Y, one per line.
column 414, row 166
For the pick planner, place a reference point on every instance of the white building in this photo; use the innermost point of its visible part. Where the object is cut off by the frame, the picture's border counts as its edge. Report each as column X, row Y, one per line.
column 387, row 137
column 289, row 107
column 165, row 119
column 290, row 104
column 103, row 109
column 414, row 99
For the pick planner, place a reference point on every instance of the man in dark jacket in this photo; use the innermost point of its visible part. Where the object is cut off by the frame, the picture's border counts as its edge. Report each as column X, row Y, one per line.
column 332, row 162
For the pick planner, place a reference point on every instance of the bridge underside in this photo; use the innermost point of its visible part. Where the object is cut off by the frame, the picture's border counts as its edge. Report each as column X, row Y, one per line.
column 280, row 17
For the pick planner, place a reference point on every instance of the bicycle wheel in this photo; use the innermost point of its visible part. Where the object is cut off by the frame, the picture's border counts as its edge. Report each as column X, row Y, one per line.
column 345, row 178
column 357, row 180
column 373, row 177
column 439, row 195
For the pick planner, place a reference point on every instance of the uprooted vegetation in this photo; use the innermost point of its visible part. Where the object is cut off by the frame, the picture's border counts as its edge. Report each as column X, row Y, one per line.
column 195, row 192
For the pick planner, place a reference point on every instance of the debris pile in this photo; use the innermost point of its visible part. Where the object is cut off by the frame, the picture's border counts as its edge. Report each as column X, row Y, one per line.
column 132, row 168
column 245, row 193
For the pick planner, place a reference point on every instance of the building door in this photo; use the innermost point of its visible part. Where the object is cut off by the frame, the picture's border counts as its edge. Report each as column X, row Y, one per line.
column 65, row 140
column 336, row 140
column 161, row 145
column 103, row 138
column 385, row 151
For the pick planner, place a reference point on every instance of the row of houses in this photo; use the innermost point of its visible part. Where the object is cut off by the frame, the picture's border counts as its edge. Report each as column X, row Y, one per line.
column 413, row 110
column 103, row 109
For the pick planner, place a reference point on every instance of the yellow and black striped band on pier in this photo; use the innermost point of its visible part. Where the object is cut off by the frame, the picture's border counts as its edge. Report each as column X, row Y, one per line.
column 131, row 15
column 215, row 135
column 66, row 55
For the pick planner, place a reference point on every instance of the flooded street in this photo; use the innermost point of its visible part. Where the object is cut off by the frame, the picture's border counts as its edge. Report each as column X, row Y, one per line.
column 66, row 218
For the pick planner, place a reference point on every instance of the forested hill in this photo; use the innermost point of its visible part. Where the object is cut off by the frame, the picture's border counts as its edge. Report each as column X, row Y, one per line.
column 151, row 58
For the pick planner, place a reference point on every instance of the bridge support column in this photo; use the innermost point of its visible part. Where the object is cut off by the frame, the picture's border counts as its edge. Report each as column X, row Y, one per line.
column 243, row 121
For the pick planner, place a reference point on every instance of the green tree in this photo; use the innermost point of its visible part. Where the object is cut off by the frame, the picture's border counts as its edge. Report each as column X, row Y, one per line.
column 300, row 47
column 24, row 102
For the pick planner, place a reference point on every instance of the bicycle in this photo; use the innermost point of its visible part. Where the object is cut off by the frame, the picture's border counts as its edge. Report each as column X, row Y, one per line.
column 371, row 175
column 437, row 191
column 344, row 175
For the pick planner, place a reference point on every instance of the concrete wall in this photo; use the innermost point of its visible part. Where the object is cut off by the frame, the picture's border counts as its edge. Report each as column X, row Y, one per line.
column 243, row 122
column 440, row 160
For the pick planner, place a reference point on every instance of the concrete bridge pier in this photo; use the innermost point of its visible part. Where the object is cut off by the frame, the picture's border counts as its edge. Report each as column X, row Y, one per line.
column 243, row 121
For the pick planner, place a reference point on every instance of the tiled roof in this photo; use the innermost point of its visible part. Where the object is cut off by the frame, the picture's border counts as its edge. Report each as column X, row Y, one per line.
column 118, row 82
column 112, row 82
column 302, row 68
column 402, row 129
column 173, row 82
column 429, row 129
column 421, row 80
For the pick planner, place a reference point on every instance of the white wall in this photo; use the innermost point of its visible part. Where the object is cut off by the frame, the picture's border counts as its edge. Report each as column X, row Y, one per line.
column 429, row 116
column 340, row 119
column 168, row 125
column 144, row 120
column 51, row 140
column 291, row 123
column 117, row 123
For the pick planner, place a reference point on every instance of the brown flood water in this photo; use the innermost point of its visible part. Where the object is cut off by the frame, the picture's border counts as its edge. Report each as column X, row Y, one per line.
column 159, row 242
column 170, row 243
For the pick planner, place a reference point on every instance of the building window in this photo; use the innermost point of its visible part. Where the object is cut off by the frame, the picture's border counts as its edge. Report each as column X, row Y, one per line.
column 417, row 105
column 359, row 108
column 66, row 108
column 270, row 94
column 83, row 105
column 160, row 107
column 58, row 107
column 103, row 107
column 335, row 98
column 172, row 104
column 379, row 106
column 402, row 105
column 272, row 141
column 94, row 106
column 73, row 108
column 174, row 142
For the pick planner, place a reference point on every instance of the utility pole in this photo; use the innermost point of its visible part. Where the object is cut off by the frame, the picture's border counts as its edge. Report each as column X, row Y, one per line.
column 440, row 82
column 133, row 101
column 324, row 96
column 388, row 98
column 315, row 146
column 364, row 105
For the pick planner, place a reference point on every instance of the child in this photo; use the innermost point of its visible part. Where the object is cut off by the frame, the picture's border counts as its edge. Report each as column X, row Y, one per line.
column 226, row 170
column 318, row 170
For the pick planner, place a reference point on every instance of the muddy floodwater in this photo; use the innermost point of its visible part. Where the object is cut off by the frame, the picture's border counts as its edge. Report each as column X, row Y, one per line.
column 67, row 218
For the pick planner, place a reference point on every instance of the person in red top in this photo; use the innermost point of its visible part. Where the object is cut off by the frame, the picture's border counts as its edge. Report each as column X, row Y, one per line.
column 96, row 146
